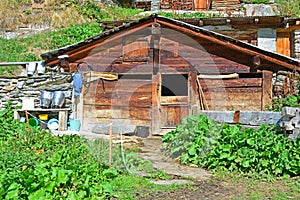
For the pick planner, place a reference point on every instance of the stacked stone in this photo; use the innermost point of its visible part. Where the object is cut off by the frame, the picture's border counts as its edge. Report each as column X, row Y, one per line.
column 297, row 44
column 14, row 88
column 278, row 83
column 291, row 122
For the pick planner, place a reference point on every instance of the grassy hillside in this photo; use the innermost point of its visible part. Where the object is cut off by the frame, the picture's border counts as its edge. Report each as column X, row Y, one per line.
column 69, row 22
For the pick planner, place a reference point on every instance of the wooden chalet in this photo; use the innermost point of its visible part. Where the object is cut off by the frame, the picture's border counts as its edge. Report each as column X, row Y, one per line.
column 248, row 29
column 164, row 70
column 220, row 5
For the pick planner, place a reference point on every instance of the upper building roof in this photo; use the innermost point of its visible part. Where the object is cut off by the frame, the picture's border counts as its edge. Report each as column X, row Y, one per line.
column 212, row 42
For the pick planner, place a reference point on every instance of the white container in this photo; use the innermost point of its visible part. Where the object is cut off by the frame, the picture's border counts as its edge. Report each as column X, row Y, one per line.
column 30, row 68
column 41, row 68
column 27, row 103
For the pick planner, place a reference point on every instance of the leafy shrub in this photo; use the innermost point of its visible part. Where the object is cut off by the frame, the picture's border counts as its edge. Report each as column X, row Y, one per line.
column 203, row 142
column 184, row 15
column 37, row 165
column 279, row 103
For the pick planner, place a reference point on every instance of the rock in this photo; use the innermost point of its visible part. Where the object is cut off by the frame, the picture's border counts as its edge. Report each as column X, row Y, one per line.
column 4, row 83
column 32, row 92
column 117, row 128
column 280, row 78
column 30, row 81
column 259, row 10
column 288, row 126
column 4, row 80
column 282, row 72
column 288, row 112
column 9, row 88
column 20, row 84
column 295, row 134
column 296, row 122
column 14, row 94
column 172, row 181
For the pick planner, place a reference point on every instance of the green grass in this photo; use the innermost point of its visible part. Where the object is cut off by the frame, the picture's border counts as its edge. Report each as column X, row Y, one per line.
column 125, row 187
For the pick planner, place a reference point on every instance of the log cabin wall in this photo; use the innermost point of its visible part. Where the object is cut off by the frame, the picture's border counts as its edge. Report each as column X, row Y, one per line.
column 130, row 98
column 158, row 62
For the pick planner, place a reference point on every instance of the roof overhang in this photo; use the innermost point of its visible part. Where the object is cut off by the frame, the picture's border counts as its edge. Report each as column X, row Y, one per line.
column 51, row 57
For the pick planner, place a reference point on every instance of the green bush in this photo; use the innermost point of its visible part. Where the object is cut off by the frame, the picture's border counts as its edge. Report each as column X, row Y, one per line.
column 203, row 142
column 37, row 165
column 279, row 103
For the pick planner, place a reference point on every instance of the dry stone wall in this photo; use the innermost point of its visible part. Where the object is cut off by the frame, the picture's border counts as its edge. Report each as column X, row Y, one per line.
column 297, row 44
column 285, row 83
column 15, row 88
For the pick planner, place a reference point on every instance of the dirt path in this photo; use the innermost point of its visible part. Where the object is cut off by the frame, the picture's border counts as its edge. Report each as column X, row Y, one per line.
column 152, row 150
column 203, row 186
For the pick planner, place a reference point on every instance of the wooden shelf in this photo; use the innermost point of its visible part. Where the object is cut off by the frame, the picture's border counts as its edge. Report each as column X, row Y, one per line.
column 62, row 115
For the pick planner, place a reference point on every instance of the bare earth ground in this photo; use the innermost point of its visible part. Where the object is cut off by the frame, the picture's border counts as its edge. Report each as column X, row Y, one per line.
column 203, row 184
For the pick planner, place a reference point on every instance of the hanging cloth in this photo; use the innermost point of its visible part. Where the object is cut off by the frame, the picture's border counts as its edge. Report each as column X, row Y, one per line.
column 77, row 82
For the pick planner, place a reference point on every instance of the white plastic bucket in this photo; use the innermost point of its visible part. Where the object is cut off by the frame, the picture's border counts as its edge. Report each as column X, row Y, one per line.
column 53, row 124
column 27, row 103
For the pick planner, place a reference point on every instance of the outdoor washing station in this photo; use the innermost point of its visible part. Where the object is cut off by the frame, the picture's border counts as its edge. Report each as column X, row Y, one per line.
column 51, row 112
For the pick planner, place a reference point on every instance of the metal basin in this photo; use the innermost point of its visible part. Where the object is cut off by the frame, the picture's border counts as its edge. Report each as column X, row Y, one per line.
column 58, row 99
column 45, row 99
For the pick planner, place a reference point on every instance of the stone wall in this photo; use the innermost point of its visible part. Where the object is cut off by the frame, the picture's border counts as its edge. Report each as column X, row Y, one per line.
column 285, row 82
column 297, row 44
column 15, row 88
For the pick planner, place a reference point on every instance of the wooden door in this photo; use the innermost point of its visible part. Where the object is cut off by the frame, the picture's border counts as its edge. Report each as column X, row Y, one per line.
column 283, row 43
column 174, row 98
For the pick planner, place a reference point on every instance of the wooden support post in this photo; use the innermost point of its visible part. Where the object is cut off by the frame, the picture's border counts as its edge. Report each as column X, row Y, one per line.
column 62, row 117
column 156, row 32
column 266, row 89
column 155, row 114
column 110, row 144
column 27, row 120
column 194, row 96
column 255, row 63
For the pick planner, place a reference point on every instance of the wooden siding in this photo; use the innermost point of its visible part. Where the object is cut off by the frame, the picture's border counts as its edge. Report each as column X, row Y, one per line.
column 283, row 43
column 177, row 4
column 233, row 94
column 226, row 5
column 201, row 4
column 125, row 100
column 138, row 99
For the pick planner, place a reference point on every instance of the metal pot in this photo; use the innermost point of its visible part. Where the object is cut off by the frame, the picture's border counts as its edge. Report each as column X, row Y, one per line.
column 58, row 99
column 45, row 99
column 30, row 68
column 41, row 68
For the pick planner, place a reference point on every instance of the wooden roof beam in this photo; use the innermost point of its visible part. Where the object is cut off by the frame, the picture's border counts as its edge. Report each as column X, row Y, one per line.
column 229, row 44
column 105, row 40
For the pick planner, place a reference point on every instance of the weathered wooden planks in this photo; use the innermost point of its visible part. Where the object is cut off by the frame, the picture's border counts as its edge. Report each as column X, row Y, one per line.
column 232, row 83
column 233, row 98
column 171, row 115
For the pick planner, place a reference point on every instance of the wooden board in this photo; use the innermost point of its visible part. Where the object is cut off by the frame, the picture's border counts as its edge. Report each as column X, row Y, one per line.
column 176, row 100
column 127, row 100
column 232, row 83
column 283, row 43
column 172, row 115
column 233, row 98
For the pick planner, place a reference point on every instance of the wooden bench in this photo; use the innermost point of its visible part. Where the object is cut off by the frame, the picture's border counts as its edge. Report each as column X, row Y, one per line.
column 62, row 115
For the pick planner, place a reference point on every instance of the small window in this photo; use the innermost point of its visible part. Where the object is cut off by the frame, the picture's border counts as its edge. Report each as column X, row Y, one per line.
column 174, row 85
